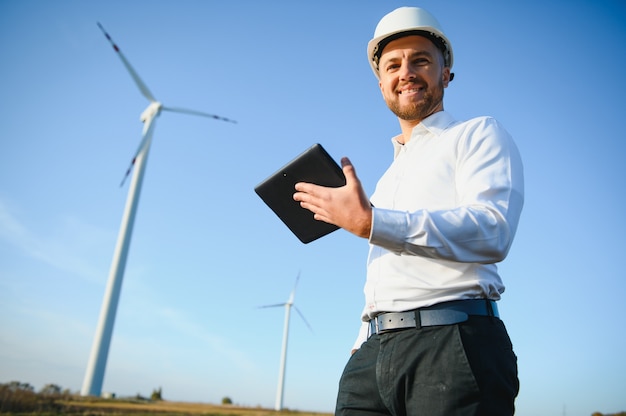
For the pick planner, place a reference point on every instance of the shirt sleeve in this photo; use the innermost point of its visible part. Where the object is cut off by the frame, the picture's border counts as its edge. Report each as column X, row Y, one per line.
column 362, row 337
column 480, row 228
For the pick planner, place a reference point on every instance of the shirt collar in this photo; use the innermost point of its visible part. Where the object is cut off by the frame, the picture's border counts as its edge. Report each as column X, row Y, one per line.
column 435, row 124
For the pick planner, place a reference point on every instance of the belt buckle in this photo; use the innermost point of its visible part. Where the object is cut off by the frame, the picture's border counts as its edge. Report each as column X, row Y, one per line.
column 392, row 321
column 376, row 327
column 373, row 327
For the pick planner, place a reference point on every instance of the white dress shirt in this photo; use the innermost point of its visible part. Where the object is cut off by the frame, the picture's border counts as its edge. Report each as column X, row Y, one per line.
column 445, row 212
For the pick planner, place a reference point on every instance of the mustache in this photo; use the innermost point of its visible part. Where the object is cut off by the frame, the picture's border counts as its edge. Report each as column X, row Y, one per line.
column 413, row 83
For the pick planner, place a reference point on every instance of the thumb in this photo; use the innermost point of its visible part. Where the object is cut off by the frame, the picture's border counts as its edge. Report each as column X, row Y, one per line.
column 348, row 170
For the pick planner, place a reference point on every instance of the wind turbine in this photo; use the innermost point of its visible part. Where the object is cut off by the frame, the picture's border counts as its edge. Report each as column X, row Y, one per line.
column 92, row 384
column 283, row 355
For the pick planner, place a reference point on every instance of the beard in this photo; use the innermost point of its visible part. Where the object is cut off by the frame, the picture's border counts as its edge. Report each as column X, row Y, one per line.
column 418, row 111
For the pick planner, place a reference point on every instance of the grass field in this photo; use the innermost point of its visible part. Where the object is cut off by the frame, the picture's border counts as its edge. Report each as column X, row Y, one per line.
column 32, row 404
column 109, row 407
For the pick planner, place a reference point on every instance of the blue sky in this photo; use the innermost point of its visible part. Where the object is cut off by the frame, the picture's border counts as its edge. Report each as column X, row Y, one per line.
column 206, row 252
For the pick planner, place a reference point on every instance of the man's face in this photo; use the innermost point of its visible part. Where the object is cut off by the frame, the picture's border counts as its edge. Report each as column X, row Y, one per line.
column 412, row 77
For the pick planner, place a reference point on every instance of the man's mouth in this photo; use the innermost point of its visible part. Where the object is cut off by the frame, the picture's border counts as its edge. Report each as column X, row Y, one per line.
column 410, row 89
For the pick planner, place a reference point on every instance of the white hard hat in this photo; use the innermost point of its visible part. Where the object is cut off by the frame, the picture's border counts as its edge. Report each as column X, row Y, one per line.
column 403, row 22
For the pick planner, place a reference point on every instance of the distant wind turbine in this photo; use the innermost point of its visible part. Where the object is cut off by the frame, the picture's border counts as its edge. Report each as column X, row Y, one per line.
column 283, row 356
column 92, row 385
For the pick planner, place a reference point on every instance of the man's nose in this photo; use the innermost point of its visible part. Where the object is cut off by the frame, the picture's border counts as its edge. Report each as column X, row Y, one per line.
column 407, row 71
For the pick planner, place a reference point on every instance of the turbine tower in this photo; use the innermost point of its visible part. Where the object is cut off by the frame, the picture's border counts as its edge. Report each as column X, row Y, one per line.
column 283, row 355
column 92, row 384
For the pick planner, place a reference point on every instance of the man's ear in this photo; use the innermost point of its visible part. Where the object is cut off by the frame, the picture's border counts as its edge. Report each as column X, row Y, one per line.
column 446, row 77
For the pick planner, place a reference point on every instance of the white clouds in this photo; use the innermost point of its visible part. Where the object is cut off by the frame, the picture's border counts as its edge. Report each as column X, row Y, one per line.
column 68, row 245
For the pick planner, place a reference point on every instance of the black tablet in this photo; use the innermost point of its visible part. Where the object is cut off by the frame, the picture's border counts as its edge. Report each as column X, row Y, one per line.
column 314, row 165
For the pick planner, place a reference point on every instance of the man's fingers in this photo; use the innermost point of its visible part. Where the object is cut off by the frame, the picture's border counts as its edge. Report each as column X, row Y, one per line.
column 348, row 170
column 305, row 192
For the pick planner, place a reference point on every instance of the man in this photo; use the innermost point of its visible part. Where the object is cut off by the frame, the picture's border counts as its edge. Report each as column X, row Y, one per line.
column 442, row 215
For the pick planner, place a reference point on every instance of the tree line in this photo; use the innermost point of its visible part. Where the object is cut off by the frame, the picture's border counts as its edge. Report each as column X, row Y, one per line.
column 16, row 396
column 20, row 397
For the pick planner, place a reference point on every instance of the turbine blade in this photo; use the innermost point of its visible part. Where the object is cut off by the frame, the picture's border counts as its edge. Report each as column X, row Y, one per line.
column 130, row 168
column 197, row 113
column 303, row 318
column 293, row 292
column 142, row 87
column 147, row 134
column 271, row 306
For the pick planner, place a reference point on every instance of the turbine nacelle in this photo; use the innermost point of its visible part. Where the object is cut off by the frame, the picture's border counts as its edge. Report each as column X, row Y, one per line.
column 153, row 110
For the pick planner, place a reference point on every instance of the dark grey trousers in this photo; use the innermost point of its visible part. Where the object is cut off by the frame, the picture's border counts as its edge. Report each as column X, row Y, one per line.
column 467, row 369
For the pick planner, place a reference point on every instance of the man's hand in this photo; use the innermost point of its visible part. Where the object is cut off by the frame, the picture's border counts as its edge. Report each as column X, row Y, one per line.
column 347, row 207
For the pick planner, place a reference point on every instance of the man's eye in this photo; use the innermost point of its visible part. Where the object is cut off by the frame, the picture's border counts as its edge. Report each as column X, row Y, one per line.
column 420, row 61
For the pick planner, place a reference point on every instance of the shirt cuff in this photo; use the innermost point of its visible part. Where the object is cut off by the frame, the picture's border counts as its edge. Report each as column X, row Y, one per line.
column 389, row 229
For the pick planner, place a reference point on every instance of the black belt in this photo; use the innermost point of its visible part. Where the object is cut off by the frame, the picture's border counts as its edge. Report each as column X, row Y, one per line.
column 446, row 313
